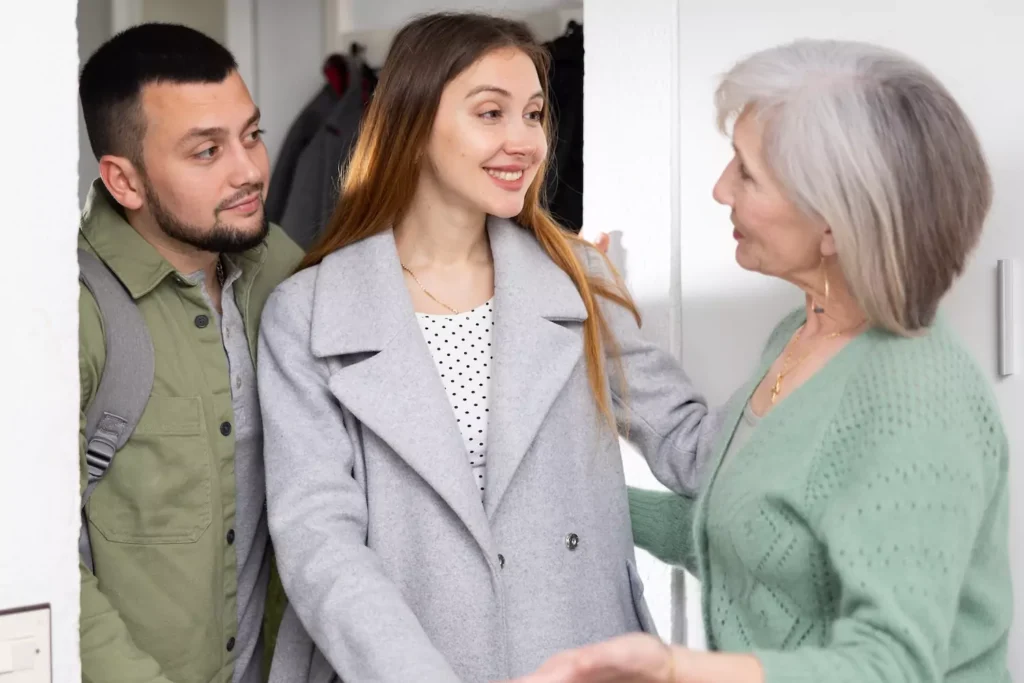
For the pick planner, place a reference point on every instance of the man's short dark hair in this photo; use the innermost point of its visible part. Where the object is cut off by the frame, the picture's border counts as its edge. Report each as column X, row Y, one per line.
column 111, row 82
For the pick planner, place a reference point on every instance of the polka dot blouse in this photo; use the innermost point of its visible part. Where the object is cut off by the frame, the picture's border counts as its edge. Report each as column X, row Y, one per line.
column 461, row 347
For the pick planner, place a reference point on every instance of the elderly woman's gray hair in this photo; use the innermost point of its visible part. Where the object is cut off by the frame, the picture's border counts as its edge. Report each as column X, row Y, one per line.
column 870, row 141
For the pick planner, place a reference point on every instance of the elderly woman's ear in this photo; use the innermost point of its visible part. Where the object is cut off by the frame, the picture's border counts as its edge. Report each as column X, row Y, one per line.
column 828, row 244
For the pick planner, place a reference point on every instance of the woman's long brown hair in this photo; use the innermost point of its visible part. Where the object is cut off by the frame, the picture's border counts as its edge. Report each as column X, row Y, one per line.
column 384, row 169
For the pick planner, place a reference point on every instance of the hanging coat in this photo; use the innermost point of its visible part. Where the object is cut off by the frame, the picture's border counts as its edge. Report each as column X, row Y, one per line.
column 564, row 186
column 302, row 130
column 314, row 189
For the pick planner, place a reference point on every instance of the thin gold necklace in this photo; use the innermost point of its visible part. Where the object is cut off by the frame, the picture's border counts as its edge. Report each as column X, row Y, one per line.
column 426, row 291
column 787, row 368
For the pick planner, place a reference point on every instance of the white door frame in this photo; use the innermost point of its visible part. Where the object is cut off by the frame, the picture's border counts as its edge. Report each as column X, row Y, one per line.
column 631, row 178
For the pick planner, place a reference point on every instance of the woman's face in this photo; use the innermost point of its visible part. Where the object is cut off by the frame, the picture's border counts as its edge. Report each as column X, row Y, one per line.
column 772, row 236
column 488, row 141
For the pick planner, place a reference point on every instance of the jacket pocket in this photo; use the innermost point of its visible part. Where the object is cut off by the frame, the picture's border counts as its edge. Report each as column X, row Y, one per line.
column 636, row 589
column 157, row 489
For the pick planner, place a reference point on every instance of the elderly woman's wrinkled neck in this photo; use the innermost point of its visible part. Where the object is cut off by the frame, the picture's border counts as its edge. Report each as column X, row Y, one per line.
column 831, row 307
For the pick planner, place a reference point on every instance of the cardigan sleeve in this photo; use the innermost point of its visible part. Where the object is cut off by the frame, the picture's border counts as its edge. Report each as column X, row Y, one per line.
column 663, row 526
column 900, row 518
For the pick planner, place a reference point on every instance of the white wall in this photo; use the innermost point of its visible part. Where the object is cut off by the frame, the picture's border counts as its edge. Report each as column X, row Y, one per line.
column 975, row 48
column 289, row 57
column 39, row 300
column 630, row 168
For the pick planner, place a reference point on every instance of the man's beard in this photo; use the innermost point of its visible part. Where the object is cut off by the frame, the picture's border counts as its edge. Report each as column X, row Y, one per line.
column 221, row 238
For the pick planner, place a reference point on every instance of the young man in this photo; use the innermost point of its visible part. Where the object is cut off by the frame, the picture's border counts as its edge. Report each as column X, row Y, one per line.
column 177, row 526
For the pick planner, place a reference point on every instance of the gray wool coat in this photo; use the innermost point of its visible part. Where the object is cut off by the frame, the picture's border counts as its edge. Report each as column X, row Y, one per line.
column 394, row 570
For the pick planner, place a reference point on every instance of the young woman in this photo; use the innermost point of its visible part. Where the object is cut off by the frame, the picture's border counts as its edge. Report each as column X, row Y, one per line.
column 442, row 387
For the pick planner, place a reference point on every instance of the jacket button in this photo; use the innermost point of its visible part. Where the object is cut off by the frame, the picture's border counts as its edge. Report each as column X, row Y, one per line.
column 231, row 536
column 572, row 541
column 225, row 428
column 202, row 321
column 501, row 561
column 231, row 644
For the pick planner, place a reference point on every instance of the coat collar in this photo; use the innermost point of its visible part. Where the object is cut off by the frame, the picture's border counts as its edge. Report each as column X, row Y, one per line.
column 383, row 372
column 526, row 281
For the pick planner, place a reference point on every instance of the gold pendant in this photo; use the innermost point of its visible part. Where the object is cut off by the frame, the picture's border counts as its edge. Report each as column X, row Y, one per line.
column 777, row 388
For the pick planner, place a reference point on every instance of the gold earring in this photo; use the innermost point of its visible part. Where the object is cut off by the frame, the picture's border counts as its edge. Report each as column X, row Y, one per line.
column 818, row 308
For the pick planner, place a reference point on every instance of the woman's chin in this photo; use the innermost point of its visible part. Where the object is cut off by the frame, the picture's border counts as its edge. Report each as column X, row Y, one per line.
column 743, row 260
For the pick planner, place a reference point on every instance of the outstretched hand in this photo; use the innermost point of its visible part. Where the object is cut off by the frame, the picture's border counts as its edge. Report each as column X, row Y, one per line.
column 635, row 658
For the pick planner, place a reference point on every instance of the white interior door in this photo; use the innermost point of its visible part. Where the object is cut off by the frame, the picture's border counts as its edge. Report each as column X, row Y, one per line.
column 976, row 50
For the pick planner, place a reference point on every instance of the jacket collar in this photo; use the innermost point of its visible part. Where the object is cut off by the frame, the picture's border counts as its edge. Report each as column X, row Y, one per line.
column 388, row 380
column 135, row 262
column 526, row 282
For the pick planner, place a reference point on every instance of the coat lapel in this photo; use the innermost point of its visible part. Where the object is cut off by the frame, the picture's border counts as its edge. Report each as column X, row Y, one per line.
column 385, row 375
column 534, row 351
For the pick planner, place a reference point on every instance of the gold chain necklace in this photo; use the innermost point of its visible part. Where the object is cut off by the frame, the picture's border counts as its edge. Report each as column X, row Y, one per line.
column 427, row 292
column 787, row 368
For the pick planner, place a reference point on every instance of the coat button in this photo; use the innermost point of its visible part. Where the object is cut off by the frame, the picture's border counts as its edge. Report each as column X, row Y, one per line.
column 231, row 644
column 202, row 321
column 501, row 561
column 231, row 536
column 225, row 428
column 572, row 541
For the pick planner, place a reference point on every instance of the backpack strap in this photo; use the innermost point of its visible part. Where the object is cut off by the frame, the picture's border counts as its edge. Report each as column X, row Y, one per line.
column 125, row 383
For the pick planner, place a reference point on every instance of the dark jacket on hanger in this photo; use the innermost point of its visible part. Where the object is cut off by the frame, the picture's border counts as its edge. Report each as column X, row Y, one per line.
column 302, row 130
column 564, row 186
column 314, row 186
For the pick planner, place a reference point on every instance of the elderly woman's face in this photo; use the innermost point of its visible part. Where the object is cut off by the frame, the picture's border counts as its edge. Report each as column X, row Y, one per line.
column 772, row 236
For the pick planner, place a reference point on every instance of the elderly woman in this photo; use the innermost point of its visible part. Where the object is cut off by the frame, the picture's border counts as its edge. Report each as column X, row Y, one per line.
column 852, row 520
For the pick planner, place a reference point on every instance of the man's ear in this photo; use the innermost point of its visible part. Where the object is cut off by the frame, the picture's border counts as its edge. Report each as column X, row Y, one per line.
column 123, row 181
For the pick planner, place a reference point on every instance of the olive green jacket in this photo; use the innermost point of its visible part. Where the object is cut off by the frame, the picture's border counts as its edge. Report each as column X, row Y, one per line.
column 161, row 607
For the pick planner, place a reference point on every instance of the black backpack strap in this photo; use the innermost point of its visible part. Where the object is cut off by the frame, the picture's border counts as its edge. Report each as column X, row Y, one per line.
column 125, row 383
